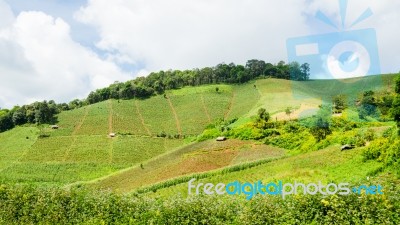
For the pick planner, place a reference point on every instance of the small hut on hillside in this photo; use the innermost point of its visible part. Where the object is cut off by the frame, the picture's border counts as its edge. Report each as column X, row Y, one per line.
column 54, row 127
column 221, row 138
column 112, row 135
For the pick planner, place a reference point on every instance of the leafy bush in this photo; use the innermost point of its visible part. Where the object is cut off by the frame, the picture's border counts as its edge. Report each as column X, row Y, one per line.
column 247, row 132
column 209, row 134
column 290, row 141
column 376, row 149
column 29, row 205
column 369, row 135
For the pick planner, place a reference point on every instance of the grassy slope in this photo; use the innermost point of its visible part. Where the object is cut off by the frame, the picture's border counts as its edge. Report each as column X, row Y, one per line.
column 327, row 165
column 194, row 158
column 81, row 151
column 15, row 144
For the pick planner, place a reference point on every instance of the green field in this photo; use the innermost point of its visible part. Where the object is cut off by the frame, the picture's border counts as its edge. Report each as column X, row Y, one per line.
column 193, row 158
column 327, row 165
column 15, row 145
column 79, row 173
column 80, row 151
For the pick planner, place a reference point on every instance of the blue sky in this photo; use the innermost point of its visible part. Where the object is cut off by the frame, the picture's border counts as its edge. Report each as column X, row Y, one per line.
column 84, row 34
column 63, row 49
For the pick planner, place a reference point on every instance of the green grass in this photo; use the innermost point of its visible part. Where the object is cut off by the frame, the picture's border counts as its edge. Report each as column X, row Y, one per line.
column 277, row 95
column 245, row 98
column 66, row 159
column 158, row 116
column 128, row 150
column 55, row 173
column 193, row 158
column 97, row 120
column 50, row 149
column 218, row 104
column 14, row 144
column 80, row 149
column 80, row 153
column 56, row 160
column 327, row 165
column 192, row 115
column 126, row 118
column 349, row 87
column 69, row 121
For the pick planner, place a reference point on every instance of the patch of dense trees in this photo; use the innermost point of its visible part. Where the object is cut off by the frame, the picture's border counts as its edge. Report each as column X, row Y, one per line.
column 155, row 83
column 159, row 82
column 35, row 113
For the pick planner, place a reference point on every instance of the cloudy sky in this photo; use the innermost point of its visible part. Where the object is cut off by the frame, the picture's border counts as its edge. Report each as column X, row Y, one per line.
column 57, row 49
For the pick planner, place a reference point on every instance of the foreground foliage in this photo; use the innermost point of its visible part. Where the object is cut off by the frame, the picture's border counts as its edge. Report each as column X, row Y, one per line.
column 29, row 205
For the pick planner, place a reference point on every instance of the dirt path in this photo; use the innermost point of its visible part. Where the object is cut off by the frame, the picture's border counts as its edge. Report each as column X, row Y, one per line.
column 304, row 110
column 78, row 127
column 141, row 118
column 205, row 109
column 110, row 117
column 74, row 137
column 178, row 124
column 230, row 106
column 111, row 152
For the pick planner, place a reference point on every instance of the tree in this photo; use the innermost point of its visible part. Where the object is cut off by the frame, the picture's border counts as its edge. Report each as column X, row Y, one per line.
column 76, row 103
column 339, row 103
column 159, row 82
column 255, row 68
column 263, row 114
column 397, row 83
column 305, row 71
column 368, row 105
column 19, row 116
column 299, row 72
column 262, row 118
column 320, row 126
column 217, row 89
column 295, row 71
column 6, row 122
column 94, row 97
column 288, row 111
column 270, row 70
column 283, row 70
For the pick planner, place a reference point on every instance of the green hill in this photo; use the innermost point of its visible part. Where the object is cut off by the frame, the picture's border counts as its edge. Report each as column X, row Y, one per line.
column 151, row 130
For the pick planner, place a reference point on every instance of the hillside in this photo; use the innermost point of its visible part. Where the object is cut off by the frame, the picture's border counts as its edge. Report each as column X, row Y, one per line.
column 326, row 165
column 81, row 151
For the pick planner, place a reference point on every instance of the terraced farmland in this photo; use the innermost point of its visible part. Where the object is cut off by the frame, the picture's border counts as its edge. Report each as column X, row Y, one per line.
column 59, row 160
column 97, row 120
column 193, row 158
column 127, row 118
column 310, row 167
column 14, row 144
column 81, row 151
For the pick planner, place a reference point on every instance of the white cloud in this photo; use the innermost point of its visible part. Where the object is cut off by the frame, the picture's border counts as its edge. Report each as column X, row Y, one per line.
column 186, row 33
column 39, row 60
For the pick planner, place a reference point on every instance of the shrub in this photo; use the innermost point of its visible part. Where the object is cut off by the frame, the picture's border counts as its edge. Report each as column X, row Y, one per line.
column 376, row 149
column 369, row 135
column 247, row 132
column 32, row 205
column 209, row 134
